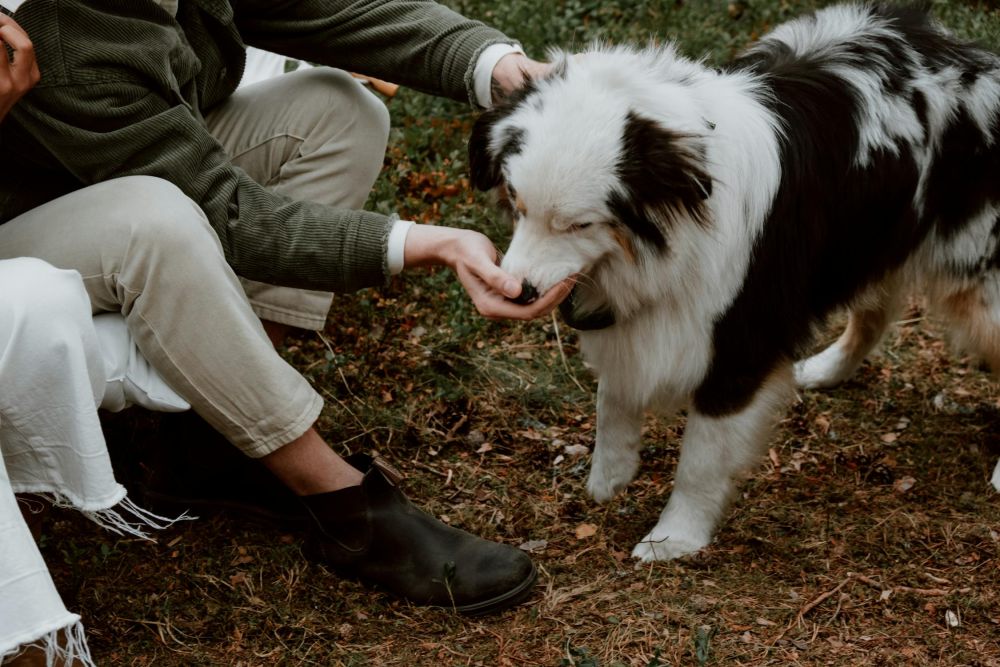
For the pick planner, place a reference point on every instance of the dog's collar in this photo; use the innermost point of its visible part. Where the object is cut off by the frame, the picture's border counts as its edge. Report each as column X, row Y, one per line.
column 592, row 321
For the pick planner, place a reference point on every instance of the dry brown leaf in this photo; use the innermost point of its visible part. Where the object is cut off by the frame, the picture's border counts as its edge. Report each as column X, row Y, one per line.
column 585, row 530
column 773, row 455
column 824, row 424
column 532, row 546
column 903, row 484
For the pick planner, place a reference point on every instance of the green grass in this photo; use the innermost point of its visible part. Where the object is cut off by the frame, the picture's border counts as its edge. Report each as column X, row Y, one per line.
column 478, row 414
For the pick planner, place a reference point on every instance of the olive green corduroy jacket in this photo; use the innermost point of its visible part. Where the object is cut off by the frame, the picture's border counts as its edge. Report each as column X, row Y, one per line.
column 124, row 86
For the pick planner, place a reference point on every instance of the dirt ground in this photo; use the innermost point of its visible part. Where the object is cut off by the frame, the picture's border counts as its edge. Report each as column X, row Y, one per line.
column 869, row 535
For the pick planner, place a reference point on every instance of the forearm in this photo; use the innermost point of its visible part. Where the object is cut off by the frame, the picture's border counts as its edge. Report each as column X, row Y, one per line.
column 264, row 236
column 417, row 43
column 273, row 239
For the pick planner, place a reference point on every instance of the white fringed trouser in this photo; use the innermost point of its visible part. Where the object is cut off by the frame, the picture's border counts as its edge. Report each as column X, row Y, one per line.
column 52, row 378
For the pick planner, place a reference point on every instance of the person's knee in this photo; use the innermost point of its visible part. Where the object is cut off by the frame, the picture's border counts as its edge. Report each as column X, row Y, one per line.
column 34, row 284
column 50, row 302
column 351, row 105
column 373, row 122
column 160, row 216
column 374, row 114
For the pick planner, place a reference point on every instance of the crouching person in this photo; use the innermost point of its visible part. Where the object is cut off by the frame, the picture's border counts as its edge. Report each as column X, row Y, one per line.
column 164, row 262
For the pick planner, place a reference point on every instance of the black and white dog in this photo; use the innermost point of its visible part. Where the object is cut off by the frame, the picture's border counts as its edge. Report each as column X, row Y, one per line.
column 715, row 218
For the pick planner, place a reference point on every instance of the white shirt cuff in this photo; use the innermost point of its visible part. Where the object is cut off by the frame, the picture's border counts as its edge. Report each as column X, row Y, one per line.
column 395, row 253
column 482, row 76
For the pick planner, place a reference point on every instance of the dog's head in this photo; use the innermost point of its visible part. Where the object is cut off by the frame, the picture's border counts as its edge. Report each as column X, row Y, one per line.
column 592, row 166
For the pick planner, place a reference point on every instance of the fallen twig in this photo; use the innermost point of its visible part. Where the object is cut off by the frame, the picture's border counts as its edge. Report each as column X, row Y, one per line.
column 885, row 591
column 562, row 354
column 933, row 592
column 818, row 601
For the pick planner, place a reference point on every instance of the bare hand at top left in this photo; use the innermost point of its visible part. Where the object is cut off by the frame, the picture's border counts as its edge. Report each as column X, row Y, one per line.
column 19, row 72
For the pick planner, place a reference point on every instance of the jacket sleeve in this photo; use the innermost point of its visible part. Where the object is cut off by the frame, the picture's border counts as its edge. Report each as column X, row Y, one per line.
column 417, row 43
column 106, row 130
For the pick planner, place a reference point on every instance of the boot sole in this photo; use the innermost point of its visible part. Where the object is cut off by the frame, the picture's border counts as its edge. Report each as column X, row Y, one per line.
column 484, row 608
column 501, row 602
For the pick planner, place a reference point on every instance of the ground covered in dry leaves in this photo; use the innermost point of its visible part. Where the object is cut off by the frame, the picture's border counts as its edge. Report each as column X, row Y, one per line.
column 868, row 536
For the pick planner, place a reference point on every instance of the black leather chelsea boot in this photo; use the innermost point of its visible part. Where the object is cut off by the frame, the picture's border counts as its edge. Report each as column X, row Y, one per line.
column 372, row 532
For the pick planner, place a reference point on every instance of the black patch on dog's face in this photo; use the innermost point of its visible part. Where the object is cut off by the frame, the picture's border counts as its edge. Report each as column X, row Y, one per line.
column 662, row 175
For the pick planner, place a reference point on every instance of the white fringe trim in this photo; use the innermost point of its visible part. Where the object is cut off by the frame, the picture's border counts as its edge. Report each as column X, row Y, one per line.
column 63, row 646
column 996, row 477
column 111, row 519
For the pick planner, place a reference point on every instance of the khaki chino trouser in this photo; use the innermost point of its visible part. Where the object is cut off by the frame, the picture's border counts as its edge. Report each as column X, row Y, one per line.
column 312, row 135
column 147, row 251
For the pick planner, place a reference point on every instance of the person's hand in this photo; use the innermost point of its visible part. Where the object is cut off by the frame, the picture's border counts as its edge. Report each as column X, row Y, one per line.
column 473, row 258
column 510, row 72
column 19, row 74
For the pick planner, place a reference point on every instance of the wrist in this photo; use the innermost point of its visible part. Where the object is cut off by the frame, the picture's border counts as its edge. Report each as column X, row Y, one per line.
column 430, row 245
column 483, row 82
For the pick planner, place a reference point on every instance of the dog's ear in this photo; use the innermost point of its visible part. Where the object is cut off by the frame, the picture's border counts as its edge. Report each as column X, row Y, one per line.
column 663, row 172
column 484, row 166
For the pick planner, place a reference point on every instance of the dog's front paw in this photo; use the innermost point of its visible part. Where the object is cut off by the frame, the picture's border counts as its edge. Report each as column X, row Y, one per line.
column 608, row 479
column 824, row 370
column 652, row 548
column 678, row 533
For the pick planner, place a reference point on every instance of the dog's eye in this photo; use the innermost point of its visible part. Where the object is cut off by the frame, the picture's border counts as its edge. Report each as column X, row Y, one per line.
column 580, row 226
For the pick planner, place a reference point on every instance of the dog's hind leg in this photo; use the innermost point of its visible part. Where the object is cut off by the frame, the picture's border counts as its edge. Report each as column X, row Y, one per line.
column 619, row 439
column 869, row 318
column 716, row 451
column 973, row 316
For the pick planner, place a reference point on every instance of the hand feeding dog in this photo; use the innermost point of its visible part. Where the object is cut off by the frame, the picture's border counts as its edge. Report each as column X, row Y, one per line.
column 716, row 217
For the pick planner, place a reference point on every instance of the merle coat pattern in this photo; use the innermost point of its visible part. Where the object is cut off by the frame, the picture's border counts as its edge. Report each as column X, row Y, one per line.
column 714, row 218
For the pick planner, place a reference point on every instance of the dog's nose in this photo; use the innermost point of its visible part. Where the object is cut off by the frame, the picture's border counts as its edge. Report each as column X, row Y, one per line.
column 527, row 295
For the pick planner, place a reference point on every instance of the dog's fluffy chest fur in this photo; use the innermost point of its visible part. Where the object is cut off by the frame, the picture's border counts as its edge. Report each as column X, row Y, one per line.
column 657, row 357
